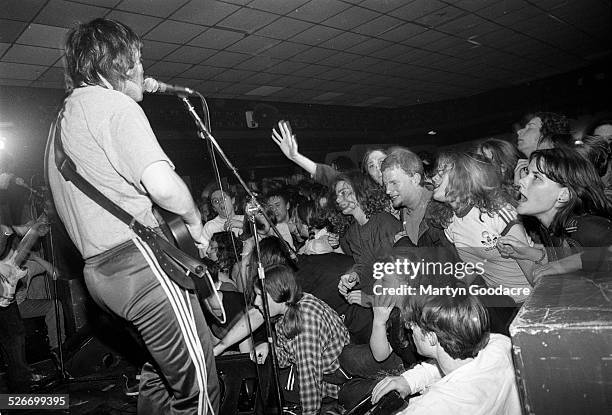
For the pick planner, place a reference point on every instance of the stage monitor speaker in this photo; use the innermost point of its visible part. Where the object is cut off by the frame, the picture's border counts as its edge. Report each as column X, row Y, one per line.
column 241, row 391
column 92, row 357
column 76, row 302
column 561, row 341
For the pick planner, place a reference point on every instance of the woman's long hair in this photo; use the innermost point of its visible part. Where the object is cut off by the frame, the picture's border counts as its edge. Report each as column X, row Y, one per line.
column 370, row 196
column 504, row 156
column 283, row 288
column 578, row 175
column 475, row 182
column 226, row 256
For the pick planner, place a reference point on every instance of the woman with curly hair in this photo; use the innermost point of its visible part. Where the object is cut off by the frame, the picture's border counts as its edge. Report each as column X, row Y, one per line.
column 564, row 192
column 483, row 211
column 372, row 228
column 221, row 250
column 503, row 155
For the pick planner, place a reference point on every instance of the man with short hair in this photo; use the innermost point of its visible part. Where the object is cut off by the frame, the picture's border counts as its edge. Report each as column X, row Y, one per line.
column 471, row 372
column 109, row 139
column 403, row 177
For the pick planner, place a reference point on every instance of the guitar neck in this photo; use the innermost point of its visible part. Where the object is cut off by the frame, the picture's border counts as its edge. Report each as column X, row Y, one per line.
column 25, row 246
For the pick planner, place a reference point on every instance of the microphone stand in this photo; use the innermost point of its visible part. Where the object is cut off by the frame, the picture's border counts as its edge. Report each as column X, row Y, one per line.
column 205, row 134
column 266, row 310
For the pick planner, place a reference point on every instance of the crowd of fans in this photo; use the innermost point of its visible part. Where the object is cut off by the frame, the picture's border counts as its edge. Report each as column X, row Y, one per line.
column 515, row 213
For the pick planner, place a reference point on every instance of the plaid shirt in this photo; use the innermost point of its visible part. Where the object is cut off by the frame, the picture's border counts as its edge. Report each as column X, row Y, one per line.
column 314, row 350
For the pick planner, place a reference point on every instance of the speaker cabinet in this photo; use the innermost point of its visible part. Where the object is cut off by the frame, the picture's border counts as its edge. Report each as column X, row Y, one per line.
column 241, row 390
column 76, row 302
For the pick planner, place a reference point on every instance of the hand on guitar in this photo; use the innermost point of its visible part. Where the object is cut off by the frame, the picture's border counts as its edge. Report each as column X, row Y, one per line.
column 388, row 384
column 196, row 232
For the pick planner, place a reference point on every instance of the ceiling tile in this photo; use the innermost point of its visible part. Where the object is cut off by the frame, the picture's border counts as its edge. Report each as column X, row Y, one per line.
column 253, row 44
column 286, row 68
column 311, row 70
column 153, row 8
column 32, row 55
column 441, row 16
column 67, row 14
column 4, row 47
column 226, row 59
column 201, row 72
column 315, row 35
column 204, row 12
column 23, row 10
column 256, row 63
column 364, row 62
column 403, row 32
column 20, row 71
column 285, row 50
column 190, row 54
column 175, row 32
column 216, row 38
column 472, row 5
column 42, row 35
column 313, row 55
column 377, row 26
column 264, row 90
column 424, row 38
column 351, row 17
column 345, row 41
column 232, row 75
column 339, row 59
column 417, row 8
column 318, row 10
column 247, row 20
column 275, row 6
column 156, row 50
column 168, row 69
column 501, row 9
column 369, row 46
column 53, row 75
column 284, row 28
column 14, row 82
column 382, row 6
column 10, row 30
column 392, row 51
column 141, row 24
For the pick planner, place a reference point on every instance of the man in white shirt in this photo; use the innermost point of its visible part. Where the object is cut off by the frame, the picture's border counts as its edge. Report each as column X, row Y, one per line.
column 471, row 370
column 223, row 203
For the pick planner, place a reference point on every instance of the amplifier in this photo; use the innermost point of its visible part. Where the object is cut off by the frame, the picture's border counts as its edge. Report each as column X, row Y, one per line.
column 562, row 346
column 242, row 392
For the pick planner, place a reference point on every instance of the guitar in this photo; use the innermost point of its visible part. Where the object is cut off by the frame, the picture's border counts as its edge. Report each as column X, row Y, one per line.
column 10, row 268
column 176, row 232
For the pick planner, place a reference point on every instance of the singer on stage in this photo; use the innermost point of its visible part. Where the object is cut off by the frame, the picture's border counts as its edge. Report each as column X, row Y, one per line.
column 107, row 135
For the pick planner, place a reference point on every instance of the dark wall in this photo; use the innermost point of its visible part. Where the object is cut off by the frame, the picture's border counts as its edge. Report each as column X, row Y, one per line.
column 320, row 129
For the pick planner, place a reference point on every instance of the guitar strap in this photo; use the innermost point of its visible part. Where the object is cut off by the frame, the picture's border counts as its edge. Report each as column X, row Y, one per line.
column 168, row 256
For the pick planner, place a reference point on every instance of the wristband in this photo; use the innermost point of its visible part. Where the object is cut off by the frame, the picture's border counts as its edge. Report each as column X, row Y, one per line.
column 539, row 261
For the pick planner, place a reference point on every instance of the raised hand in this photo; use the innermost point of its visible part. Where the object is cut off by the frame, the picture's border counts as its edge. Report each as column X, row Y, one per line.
column 285, row 140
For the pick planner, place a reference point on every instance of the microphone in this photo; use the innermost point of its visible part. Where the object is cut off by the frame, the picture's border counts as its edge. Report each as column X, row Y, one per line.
column 154, row 86
column 20, row 182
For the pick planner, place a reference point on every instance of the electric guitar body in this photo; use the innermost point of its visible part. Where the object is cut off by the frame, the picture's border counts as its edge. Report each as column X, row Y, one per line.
column 176, row 232
column 10, row 267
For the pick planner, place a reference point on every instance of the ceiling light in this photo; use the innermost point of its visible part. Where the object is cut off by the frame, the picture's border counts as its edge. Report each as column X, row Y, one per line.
column 431, row 132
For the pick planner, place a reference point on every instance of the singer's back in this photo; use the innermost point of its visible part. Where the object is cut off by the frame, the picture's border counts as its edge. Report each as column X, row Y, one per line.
column 101, row 130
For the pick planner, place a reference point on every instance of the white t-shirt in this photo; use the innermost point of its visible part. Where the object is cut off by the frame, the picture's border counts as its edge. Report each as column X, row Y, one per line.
column 475, row 237
column 486, row 385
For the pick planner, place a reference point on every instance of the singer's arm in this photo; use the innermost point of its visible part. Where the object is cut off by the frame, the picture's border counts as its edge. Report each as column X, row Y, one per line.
column 169, row 191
